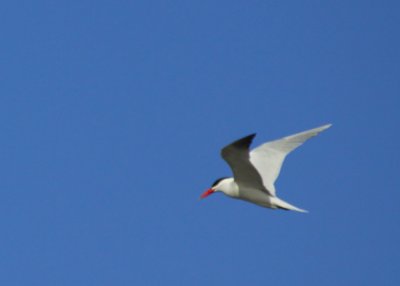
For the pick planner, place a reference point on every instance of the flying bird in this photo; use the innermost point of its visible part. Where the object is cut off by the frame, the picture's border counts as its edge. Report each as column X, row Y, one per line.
column 255, row 171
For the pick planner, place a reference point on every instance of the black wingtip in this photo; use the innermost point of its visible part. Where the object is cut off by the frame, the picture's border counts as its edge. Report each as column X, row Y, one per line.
column 241, row 145
column 245, row 142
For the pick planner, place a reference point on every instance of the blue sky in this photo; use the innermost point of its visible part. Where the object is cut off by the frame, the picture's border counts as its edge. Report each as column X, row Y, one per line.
column 112, row 115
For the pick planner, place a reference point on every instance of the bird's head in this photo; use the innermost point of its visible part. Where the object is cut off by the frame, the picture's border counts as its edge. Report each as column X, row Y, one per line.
column 218, row 186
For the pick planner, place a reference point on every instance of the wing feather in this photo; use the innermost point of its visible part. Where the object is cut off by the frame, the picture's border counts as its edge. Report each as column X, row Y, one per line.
column 268, row 157
column 237, row 156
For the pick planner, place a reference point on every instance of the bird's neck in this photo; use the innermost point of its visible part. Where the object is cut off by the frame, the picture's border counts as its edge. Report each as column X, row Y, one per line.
column 229, row 187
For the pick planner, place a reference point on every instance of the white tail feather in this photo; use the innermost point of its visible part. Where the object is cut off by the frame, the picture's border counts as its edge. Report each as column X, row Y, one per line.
column 284, row 205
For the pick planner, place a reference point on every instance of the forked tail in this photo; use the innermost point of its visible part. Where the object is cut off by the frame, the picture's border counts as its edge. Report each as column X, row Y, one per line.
column 281, row 204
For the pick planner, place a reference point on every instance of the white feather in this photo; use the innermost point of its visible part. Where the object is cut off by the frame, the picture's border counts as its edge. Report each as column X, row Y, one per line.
column 268, row 157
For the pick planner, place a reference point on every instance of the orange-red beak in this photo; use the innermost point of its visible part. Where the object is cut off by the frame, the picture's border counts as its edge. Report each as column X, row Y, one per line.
column 207, row 193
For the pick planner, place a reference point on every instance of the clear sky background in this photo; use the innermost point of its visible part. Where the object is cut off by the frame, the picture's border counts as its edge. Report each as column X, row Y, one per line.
column 113, row 113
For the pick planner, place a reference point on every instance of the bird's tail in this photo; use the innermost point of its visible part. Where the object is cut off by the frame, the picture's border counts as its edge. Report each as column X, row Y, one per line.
column 281, row 204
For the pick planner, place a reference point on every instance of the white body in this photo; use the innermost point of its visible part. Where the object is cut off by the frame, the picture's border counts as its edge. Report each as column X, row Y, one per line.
column 229, row 187
column 255, row 171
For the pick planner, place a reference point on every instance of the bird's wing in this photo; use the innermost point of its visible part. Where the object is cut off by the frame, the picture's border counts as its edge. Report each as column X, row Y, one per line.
column 268, row 157
column 237, row 156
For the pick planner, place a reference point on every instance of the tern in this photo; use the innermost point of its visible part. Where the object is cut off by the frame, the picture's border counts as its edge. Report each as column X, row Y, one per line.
column 255, row 171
